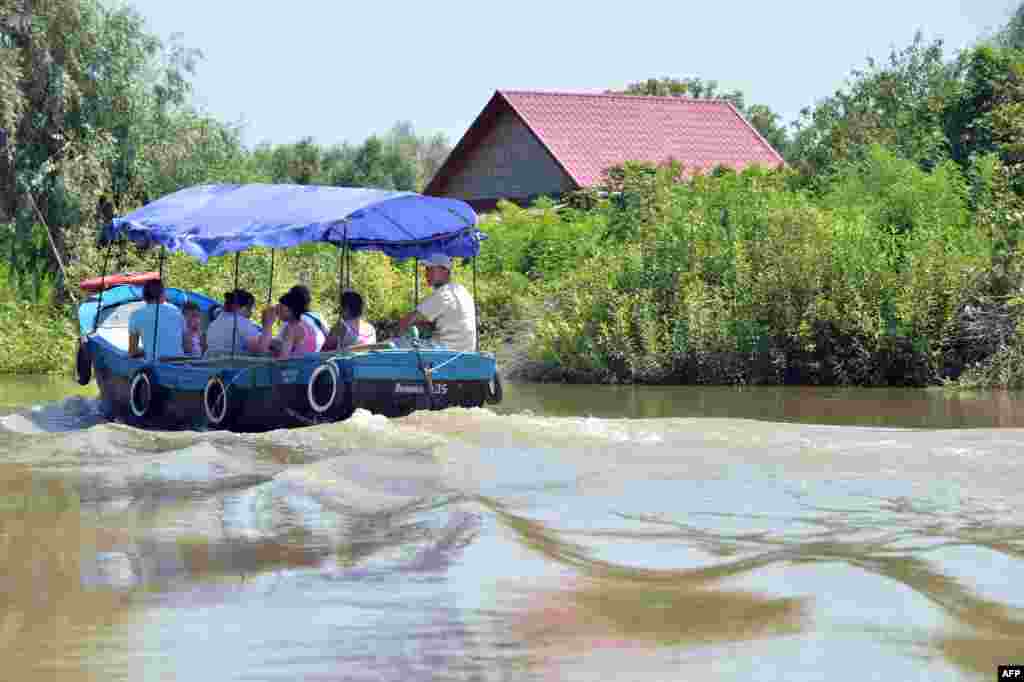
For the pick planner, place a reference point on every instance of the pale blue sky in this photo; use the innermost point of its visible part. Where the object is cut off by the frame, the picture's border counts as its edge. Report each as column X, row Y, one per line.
column 342, row 70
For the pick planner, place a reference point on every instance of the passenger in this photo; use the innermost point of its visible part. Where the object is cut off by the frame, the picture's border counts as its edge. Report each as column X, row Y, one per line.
column 194, row 340
column 143, row 323
column 450, row 308
column 249, row 338
column 297, row 336
column 352, row 329
column 312, row 319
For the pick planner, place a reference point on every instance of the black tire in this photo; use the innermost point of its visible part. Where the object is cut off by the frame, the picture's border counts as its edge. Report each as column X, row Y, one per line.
column 83, row 364
column 322, row 390
column 220, row 407
column 494, row 390
column 344, row 405
column 144, row 400
column 214, row 312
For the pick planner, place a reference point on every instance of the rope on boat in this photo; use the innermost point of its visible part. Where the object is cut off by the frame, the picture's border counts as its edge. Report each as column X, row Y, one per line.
column 53, row 245
column 448, row 361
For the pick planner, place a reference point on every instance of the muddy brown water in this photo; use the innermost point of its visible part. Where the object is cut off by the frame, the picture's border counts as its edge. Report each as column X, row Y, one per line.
column 573, row 533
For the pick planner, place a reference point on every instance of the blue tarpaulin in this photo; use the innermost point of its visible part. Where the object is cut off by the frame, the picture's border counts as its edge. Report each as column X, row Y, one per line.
column 213, row 220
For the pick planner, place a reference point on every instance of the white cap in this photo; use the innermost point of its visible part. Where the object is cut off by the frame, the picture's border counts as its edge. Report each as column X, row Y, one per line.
column 438, row 260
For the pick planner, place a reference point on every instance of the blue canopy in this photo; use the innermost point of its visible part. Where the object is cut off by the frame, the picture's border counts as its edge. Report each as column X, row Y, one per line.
column 213, row 220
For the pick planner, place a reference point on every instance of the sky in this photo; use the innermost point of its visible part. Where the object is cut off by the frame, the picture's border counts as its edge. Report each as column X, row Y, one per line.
column 342, row 70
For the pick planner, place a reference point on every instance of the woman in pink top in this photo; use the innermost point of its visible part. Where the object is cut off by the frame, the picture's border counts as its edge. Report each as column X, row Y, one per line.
column 297, row 337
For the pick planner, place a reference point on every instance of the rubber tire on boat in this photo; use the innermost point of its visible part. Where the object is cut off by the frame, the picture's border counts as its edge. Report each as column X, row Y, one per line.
column 344, row 404
column 313, row 397
column 83, row 364
column 142, row 381
column 225, row 416
column 494, row 390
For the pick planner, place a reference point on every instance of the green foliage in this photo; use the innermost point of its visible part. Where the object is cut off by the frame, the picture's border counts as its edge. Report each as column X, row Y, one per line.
column 738, row 277
column 1012, row 36
column 40, row 338
column 898, row 104
column 400, row 160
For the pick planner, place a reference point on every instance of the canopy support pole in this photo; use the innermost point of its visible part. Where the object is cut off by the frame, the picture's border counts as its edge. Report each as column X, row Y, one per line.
column 348, row 263
column 416, row 282
column 234, row 331
column 476, row 311
column 343, row 274
column 270, row 291
column 159, row 304
column 103, row 285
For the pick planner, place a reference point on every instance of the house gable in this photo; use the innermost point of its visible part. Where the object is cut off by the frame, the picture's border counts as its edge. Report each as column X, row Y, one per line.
column 508, row 162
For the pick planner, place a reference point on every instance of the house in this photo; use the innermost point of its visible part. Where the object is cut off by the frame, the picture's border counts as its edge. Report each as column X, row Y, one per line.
column 524, row 145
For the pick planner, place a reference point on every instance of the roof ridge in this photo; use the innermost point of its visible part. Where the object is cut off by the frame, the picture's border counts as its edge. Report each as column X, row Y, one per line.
column 619, row 95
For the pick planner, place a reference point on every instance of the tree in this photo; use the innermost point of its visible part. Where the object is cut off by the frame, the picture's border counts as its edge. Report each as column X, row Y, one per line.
column 988, row 115
column 434, row 153
column 93, row 106
column 1012, row 36
column 899, row 104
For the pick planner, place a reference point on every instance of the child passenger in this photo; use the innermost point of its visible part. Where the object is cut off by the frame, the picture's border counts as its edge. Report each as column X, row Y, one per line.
column 194, row 340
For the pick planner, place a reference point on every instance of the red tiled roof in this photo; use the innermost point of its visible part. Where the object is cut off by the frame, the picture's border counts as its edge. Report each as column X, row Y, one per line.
column 589, row 133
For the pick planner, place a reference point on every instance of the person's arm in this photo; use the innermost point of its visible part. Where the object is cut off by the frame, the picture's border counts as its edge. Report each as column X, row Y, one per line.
column 426, row 313
column 133, row 345
column 134, row 338
column 409, row 320
column 261, row 343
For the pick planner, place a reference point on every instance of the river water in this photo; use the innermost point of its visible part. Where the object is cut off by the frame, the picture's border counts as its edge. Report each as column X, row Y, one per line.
column 575, row 533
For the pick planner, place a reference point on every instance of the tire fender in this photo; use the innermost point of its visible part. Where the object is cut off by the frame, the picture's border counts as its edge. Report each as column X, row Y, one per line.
column 322, row 389
column 494, row 390
column 219, row 405
column 83, row 363
column 142, row 394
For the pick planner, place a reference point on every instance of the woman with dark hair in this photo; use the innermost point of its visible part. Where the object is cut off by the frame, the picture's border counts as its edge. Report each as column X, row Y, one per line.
column 297, row 336
column 249, row 337
column 352, row 329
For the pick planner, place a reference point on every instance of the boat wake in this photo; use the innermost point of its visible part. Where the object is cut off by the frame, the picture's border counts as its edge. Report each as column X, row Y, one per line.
column 581, row 526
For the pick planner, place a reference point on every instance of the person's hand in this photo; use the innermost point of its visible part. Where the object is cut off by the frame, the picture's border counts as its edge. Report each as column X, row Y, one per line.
column 269, row 316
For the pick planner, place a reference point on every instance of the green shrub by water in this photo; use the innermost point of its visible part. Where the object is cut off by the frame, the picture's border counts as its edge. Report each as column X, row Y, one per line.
column 738, row 278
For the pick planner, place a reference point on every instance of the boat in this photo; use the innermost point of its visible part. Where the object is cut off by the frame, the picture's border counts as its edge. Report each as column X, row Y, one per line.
column 256, row 392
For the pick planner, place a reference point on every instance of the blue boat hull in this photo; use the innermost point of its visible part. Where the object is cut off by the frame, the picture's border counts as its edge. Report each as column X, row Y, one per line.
column 251, row 393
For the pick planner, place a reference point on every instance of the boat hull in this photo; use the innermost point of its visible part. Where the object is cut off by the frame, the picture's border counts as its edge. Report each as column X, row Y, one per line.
column 250, row 393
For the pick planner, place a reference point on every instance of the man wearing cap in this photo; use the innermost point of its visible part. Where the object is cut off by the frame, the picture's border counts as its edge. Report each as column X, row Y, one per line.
column 450, row 308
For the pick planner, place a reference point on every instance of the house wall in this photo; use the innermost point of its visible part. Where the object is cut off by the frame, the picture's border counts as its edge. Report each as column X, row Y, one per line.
column 508, row 163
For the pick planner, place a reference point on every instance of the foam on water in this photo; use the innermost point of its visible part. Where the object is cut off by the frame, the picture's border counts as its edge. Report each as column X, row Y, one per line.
column 70, row 414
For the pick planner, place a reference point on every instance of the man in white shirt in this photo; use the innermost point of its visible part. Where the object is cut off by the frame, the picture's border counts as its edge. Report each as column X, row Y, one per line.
column 163, row 335
column 249, row 338
column 450, row 308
